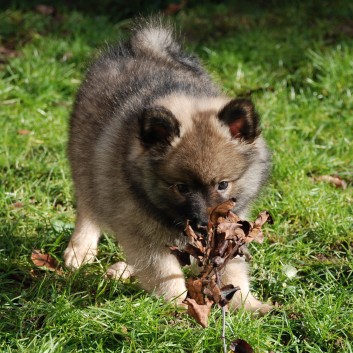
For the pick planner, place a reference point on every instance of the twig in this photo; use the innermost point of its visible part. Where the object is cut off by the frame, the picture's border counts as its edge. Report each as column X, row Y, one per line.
column 223, row 315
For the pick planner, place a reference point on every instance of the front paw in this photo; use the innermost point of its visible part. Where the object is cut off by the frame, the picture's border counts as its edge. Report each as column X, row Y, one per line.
column 120, row 270
column 250, row 303
column 263, row 309
column 75, row 257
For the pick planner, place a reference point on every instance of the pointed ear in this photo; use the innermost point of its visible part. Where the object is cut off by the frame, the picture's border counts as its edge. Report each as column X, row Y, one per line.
column 159, row 126
column 242, row 119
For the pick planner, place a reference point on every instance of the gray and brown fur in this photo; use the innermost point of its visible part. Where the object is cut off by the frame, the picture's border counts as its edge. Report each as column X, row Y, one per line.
column 152, row 138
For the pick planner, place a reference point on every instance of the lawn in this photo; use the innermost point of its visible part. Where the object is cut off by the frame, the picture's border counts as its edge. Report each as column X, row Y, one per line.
column 295, row 60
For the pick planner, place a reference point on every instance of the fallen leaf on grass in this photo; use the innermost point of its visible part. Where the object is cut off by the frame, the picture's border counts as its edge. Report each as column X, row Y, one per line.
column 23, row 132
column 241, row 346
column 333, row 180
column 7, row 53
column 45, row 260
column 45, row 10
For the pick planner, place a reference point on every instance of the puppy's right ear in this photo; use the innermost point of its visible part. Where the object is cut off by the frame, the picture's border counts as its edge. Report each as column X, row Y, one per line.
column 158, row 126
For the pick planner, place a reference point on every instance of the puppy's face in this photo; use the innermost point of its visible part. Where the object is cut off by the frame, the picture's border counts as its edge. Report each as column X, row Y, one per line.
column 199, row 162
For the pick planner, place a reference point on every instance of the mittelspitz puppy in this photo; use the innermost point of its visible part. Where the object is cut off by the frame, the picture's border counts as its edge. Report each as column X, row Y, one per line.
column 153, row 143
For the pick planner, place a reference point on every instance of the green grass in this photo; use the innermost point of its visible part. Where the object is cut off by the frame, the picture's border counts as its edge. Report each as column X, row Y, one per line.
column 295, row 60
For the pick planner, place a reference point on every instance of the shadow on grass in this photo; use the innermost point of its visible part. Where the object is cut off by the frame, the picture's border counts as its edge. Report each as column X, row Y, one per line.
column 25, row 283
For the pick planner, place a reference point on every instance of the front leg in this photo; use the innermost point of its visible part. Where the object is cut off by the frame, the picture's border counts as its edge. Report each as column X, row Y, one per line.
column 82, row 247
column 236, row 273
column 159, row 273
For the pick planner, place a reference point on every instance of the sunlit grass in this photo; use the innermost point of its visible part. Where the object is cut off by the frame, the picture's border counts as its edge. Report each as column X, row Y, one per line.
column 298, row 69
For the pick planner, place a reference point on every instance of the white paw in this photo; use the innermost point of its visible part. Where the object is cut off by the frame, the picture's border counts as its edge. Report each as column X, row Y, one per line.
column 120, row 270
column 250, row 304
column 75, row 257
column 263, row 309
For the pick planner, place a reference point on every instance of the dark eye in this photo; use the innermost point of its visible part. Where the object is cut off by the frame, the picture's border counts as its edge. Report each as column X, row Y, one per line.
column 182, row 188
column 223, row 185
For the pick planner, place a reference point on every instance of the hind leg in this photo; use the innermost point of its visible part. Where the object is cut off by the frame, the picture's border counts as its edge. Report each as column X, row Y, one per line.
column 83, row 244
column 236, row 273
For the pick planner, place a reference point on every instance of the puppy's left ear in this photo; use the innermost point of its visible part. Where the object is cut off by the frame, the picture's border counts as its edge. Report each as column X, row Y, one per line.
column 242, row 119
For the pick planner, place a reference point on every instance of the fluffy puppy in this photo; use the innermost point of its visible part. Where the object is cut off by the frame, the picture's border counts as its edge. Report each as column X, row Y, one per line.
column 153, row 143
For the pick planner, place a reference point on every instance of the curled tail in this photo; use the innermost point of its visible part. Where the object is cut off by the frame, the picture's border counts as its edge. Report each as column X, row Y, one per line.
column 154, row 36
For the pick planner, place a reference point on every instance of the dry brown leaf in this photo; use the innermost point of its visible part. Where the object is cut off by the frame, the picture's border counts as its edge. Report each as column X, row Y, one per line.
column 221, row 245
column 221, row 210
column 198, row 241
column 24, row 132
column 262, row 218
column 194, row 251
column 255, row 227
column 45, row 260
column 199, row 312
column 45, row 10
column 333, row 180
column 190, row 232
column 216, row 292
column 7, row 53
column 232, row 217
column 231, row 230
column 195, row 290
column 257, row 236
column 241, row 346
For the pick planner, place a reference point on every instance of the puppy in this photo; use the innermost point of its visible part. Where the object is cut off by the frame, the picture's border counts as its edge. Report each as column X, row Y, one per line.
column 153, row 142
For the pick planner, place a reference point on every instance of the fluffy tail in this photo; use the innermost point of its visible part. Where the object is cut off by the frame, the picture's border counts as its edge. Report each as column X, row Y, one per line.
column 154, row 36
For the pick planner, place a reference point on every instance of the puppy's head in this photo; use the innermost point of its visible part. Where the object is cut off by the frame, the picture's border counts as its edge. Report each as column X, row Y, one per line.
column 200, row 153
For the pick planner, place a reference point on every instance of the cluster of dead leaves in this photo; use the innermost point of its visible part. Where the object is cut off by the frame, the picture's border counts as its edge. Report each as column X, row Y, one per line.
column 213, row 246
